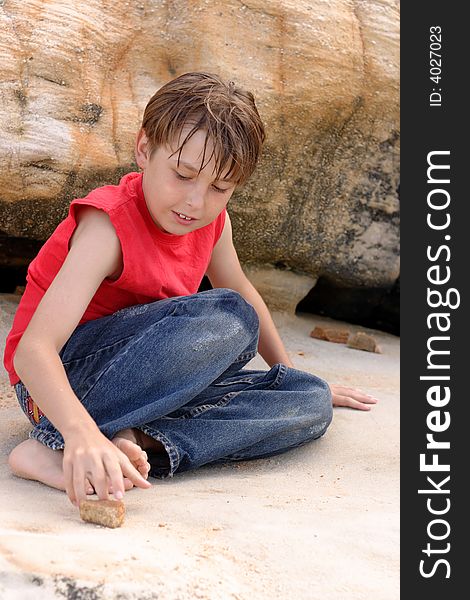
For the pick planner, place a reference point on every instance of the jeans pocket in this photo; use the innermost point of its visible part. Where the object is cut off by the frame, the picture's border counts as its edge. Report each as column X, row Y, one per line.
column 264, row 380
column 234, row 380
column 96, row 354
column 27, row 404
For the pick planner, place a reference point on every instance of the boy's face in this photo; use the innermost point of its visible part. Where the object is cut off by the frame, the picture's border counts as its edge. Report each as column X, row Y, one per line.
column 173, row 193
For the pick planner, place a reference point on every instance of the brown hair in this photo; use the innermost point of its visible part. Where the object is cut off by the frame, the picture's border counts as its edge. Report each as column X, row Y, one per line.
column 226, row 112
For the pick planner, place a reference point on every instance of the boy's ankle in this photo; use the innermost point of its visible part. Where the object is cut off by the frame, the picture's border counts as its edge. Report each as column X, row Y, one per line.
column 146, row 442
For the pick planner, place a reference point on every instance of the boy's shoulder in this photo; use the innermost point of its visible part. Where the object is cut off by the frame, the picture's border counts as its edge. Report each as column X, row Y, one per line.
column 109, row 197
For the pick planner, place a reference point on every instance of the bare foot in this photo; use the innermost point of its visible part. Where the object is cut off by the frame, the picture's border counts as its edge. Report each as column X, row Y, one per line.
column 146, row 442
column 129, row 442
column 33, row 460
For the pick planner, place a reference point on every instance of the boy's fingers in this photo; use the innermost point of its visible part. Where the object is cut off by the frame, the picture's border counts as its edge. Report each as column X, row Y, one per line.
column 361, row 406
column 79, row 484
column 89, row 488
column 100, row 482
column 350, row 402
column 342, row 390
column 68, row 477
column 353, row 403
column 115, row 476
column 362, row 395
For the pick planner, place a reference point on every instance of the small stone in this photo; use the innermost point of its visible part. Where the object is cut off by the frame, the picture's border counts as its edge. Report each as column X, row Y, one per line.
column 109, row 513
column 364, row 341
column 330, row 334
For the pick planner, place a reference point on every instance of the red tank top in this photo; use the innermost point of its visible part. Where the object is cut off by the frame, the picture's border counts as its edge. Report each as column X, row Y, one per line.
column 156, row 264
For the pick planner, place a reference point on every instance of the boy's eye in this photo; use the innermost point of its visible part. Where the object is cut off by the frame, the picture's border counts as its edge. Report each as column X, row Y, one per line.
column 219, row 190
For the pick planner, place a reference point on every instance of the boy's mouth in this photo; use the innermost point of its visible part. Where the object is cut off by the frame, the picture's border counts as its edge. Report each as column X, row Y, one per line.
column 184, row 217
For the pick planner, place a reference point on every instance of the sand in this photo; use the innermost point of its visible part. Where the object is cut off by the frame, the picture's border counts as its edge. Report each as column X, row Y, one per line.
column 319, row 522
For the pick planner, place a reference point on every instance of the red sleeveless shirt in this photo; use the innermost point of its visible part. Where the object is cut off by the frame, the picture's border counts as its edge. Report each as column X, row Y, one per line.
column 157, row 265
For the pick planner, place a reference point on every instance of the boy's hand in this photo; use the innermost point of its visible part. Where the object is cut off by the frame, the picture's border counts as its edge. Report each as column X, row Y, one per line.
column 346, row 396
column 89, row 455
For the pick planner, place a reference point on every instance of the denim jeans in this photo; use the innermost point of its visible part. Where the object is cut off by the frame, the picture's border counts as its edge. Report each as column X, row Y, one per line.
column 174, row 370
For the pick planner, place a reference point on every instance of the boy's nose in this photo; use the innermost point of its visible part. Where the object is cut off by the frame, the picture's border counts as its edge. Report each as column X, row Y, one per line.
column 195, row 200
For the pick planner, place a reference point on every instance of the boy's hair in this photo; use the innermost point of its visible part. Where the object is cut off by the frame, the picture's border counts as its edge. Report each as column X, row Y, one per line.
column 226, row 112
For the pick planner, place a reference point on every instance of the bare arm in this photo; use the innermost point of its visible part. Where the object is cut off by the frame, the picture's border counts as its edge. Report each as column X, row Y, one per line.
column 94, row 254
column 37, row 360
column 225, row 271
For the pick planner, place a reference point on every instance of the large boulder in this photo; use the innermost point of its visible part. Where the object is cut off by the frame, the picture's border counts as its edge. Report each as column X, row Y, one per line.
column 323, row 202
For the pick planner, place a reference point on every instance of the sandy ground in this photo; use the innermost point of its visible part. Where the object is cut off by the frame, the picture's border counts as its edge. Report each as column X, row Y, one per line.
column 319, row 522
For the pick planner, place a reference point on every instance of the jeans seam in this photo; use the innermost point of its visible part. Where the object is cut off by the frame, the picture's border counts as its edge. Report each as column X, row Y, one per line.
column 228, row 382
column 279, row 377
column 22, row 395
column 48, row 438
column 199, row 410
column 170, row 448
column 93, row 354
column 246, row 356
column 135, row 339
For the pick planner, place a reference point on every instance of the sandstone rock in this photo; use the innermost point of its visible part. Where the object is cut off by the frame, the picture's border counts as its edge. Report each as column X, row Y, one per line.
column 281, row 289
column 109, row 513
column 364, row 341
column 330, row 334
column 76, row 77
column 374, row 308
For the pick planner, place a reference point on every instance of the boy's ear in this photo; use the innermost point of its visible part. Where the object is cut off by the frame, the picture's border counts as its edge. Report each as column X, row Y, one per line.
column 142, row 149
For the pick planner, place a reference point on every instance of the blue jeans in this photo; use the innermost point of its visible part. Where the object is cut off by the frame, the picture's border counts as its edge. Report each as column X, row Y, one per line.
column 174, row 370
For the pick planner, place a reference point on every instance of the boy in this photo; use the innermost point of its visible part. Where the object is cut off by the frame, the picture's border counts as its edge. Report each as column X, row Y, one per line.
column 121, row 367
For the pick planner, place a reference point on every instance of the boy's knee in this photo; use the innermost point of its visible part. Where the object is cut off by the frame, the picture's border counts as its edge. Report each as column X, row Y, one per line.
column 318, row 403
column 325, row 402
column 232, row 303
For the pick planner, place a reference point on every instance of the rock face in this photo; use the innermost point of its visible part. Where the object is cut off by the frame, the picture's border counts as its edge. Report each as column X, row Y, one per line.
column 378, row 308
column 323, row 202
